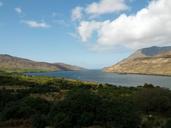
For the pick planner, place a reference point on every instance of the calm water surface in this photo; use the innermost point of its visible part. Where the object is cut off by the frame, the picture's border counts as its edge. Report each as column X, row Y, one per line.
column 111, row 78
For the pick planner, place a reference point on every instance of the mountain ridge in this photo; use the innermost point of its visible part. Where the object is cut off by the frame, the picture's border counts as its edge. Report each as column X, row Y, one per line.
column 12, row 63
column 153, row 60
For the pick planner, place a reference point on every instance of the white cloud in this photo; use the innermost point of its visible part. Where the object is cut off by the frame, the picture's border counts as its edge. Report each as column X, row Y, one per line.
column 87, row 28
column 106, row 6
column 36, row 24
column 76, row 13
column 98, row 8
column 1, row 4
column 149, row 26
column 18, row 10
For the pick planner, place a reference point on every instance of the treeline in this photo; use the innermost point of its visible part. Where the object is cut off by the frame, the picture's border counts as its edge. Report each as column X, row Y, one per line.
column 73, row 104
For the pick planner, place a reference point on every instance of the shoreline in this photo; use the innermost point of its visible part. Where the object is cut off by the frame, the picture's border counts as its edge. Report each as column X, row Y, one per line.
column 139, row 74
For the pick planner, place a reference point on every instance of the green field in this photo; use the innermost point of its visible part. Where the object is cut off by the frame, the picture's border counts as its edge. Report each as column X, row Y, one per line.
column 39, row 102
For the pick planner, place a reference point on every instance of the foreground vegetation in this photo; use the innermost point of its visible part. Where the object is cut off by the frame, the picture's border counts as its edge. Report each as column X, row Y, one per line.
column 39, row 102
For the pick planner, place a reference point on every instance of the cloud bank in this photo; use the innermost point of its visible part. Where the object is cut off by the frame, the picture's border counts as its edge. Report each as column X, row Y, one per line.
column 149, row 26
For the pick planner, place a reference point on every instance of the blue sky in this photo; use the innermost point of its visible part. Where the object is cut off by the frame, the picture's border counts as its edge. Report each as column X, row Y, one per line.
column 48, row 30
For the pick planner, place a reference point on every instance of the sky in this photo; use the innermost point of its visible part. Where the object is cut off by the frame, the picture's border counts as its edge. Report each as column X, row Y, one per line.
column 88, row 33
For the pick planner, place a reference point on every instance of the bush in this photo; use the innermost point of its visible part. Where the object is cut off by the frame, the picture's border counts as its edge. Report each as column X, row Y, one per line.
column 168, row 123
column 119, row 113
column 24, row 108
column 86, row 119
column 154, row 100
column 37, row 105
column 83, row 108
column 62, row 120
column 39, row 121
column 16, row 110
column 77, row 109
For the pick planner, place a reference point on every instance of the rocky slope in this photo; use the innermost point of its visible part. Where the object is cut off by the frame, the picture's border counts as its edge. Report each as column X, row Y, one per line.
column 11, row 63
column 153, row 60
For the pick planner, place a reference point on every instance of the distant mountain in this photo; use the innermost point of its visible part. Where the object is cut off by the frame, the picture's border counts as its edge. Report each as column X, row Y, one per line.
column 67, row 67
column 150, row 52
column 152, row 60
column 11, row 63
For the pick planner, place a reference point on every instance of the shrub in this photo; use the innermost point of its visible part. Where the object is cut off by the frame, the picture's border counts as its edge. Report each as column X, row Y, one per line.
column 168, row 123
column 39, row 121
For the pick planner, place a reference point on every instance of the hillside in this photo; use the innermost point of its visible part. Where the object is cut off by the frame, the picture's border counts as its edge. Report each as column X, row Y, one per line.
column 48, row 102
column 11, row 63
column 153, row 60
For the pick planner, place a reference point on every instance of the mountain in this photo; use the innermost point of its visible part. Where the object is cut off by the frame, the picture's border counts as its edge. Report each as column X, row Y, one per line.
column 150, row 52
column 67, row 67
column 11, row 63
column 153, row 60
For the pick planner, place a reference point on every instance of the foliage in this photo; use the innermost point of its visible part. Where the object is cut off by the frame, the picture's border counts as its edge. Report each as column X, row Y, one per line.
column 76, row 104
column 168, row 123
